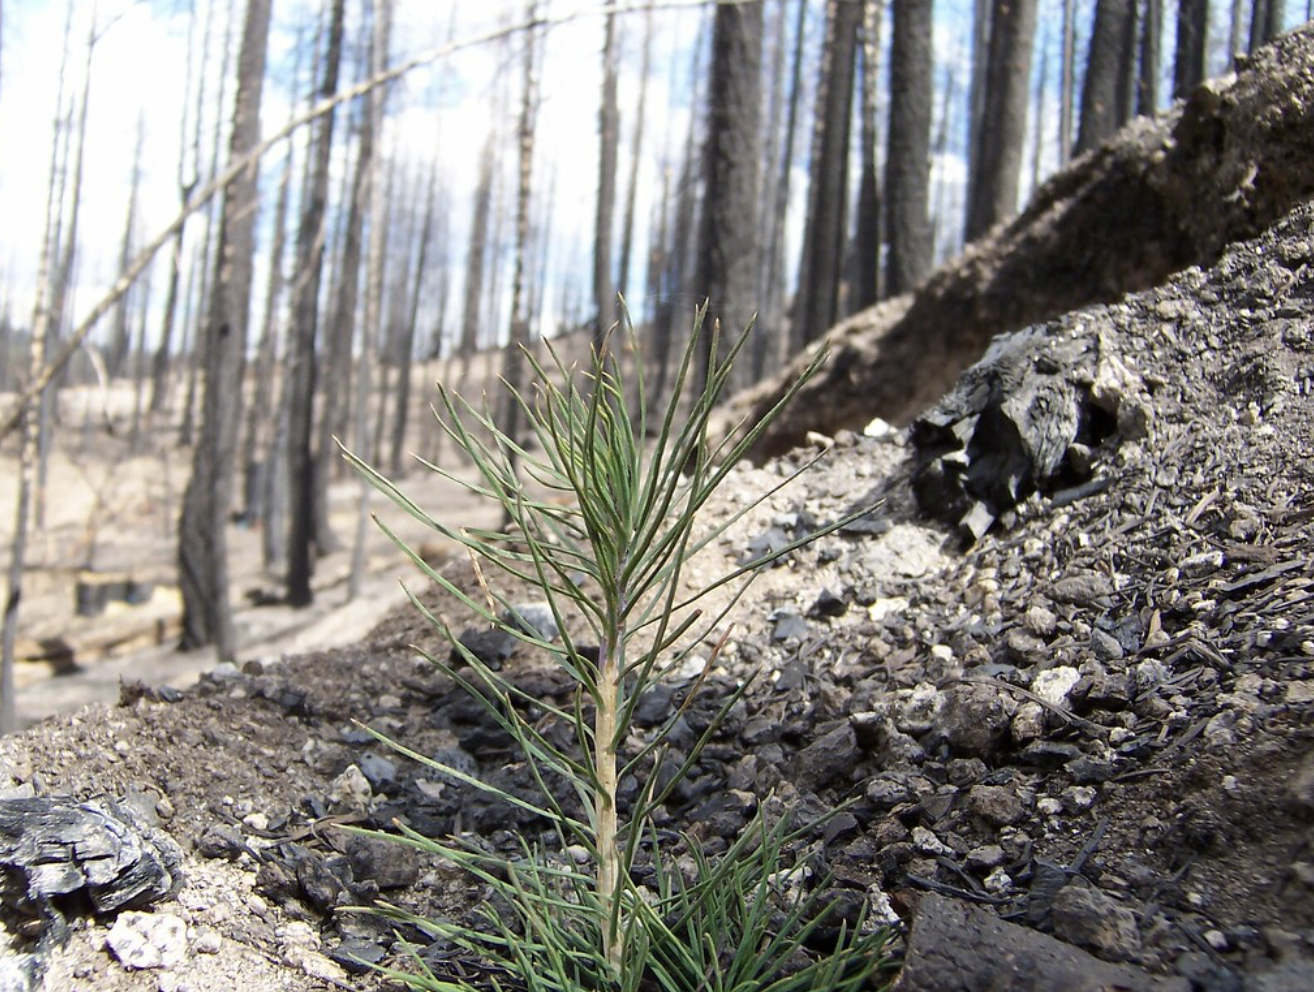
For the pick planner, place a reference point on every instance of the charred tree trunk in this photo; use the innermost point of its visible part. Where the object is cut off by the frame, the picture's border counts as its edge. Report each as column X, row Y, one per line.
column 305, row 534
column 817, row 306
column 908, row 159
column 1100, row 97
column 1192, row 45
column 202, row 546
column 726, row 266
column 636, row 147
column 997, row 157
column 121, row 337
column 772, row 337
column 1067, row 83
column 604, row 292
column 867, row 240
column 1147, row 89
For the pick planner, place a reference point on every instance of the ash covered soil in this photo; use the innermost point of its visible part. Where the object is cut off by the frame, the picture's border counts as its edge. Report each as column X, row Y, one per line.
column 1095, row 722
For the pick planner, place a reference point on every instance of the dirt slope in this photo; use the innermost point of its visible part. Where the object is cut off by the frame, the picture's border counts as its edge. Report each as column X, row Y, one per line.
column 1163, row 194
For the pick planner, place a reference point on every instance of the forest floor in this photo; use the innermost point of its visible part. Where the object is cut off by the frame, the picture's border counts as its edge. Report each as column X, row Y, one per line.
column 1090, row 734
column 111, row 514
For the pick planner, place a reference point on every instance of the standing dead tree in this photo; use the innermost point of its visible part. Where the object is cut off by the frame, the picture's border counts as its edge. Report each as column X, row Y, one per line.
column 202, row 544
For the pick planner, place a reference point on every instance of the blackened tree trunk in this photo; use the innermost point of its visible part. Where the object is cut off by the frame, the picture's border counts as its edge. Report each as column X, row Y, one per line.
column 604, row 291
column 120, row 336
column 1067, row 82
column 202, row 547
column 303, row 530
column 256, row 432
column 406, row 341
column 726, row 266
column 513, row 365
column 997, row 157
column 771, row 338
column 867, row 239
column 1265, row 22
column 476, row 256
column 1147, row 88
column 817, row 305
column 1192, row 46
column 907, row 164
column 1100, row 97
column 976, row 93
column 636, row 147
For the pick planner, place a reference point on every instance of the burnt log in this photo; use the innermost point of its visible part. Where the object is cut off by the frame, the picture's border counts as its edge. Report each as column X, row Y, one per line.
column 1029, row 416
column 60, row 855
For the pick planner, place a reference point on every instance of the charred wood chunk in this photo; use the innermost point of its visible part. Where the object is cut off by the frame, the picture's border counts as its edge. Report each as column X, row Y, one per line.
column 55, row 852
column 1005, row 430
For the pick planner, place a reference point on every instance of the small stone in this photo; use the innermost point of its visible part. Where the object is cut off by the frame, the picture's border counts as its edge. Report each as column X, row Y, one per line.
column 918, row 710
column 882, row 609
column 1040, row 621
column 1205, row 563
column 828, row 759
column 389, row 865
column 963, row 772
column 1300, row 692
column 533, row 619
column 1151, row 673
column 975, row 720
column 926, row 842
column 1086, row 770
column 1055, row 684
column 995, row 804
column 1049, row 806
column 1105, row 645
column 356, row 956
column 985, row 858
column 1091, row 918
column 890, row 789
column 207, row 940
column 257, row 821
column 998, row 881
column 828, row 604
column 1078, row 797
column 378, row 770
column 220, row 841
column 148, row 940
column 491, row 646
column 788, row 624
column 350, row 790
column 1024, row 647
column 1081, row 588
column 1029, row 723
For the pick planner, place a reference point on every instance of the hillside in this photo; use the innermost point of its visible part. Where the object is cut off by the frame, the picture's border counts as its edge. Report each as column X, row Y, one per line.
column 1085, row 738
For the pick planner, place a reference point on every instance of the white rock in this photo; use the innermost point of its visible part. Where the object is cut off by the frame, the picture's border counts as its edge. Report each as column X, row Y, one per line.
column 878, row 428
column 148, row 940
column 919, row 710
column 1300, row 691
column 928, row 843
column 882, row 911
column 1054, row 685
column 891, row 606
column 351, row 789
column 998, row 881
column 1029, row 723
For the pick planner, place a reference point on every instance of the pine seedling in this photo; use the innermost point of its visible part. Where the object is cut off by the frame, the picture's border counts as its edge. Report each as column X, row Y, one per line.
column 607, row 546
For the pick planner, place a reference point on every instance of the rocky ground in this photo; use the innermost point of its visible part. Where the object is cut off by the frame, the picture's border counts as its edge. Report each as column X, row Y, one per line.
column 1084, row 739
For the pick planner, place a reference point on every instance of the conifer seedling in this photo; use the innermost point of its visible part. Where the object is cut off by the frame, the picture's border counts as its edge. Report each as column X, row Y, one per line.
column 603, row 508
